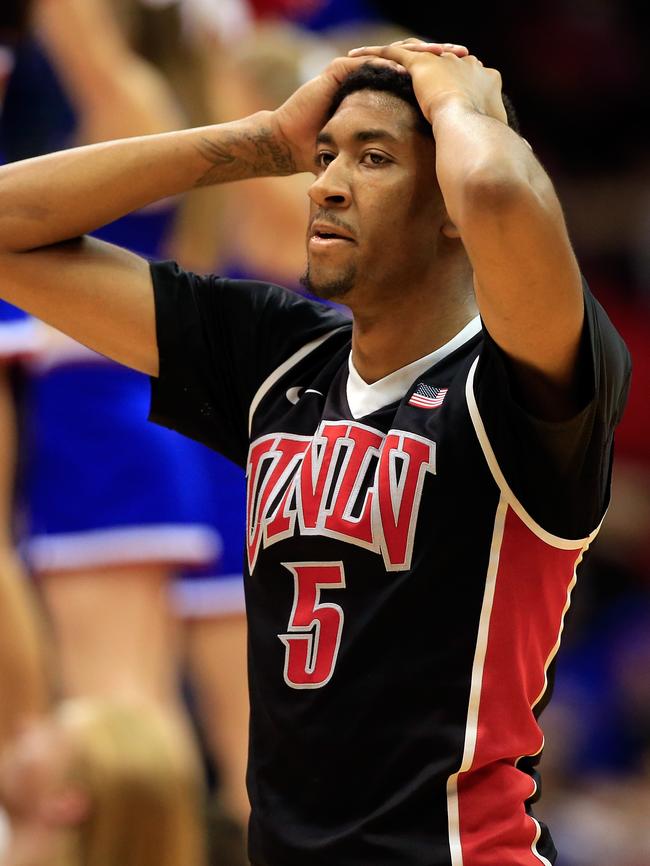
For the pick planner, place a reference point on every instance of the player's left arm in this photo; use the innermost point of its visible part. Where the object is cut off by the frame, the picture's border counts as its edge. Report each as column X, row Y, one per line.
column 526, row 277
column 527, row 281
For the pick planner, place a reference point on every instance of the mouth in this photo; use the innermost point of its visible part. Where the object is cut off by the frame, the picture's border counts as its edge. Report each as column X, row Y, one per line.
column 325, row 238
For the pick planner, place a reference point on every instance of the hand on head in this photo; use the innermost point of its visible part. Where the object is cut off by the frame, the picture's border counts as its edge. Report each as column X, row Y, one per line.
column 413, row 43
column 440, row 70
column 443, row 72
column 299, row 119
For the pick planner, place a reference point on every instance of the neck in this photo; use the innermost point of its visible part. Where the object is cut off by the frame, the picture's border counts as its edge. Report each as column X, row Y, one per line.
column 391, row 333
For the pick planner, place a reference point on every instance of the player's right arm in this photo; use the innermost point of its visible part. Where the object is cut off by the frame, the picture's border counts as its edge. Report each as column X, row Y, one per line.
column 97, row 293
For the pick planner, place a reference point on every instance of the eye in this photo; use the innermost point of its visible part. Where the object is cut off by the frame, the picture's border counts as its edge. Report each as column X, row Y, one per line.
column 373, row 157
column 323, row 158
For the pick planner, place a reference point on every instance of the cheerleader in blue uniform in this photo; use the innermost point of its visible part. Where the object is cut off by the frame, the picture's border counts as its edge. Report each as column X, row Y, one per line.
column 117, row 507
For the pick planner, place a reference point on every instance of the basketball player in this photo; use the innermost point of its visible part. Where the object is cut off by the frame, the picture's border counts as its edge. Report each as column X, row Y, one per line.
column 422, row 482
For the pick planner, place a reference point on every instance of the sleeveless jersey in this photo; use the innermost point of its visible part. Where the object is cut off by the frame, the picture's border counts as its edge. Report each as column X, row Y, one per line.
column 411, row 549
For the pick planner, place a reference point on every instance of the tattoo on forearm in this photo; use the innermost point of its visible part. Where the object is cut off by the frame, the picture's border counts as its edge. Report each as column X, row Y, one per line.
column 237, row 157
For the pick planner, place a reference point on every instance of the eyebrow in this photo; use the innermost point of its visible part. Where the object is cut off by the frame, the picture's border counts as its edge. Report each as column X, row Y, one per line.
column 362, row 135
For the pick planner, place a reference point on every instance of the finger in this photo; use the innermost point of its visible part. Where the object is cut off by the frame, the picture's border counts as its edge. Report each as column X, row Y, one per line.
column 410, row 40
column 342, row 66
column 397, row 53
column 412, row 44
column 439, row 48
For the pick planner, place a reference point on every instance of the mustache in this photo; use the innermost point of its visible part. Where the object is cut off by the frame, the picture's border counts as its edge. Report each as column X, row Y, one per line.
column 331, row 218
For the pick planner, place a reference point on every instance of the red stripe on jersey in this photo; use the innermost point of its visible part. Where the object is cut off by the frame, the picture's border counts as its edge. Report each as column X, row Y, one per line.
column 531, row 592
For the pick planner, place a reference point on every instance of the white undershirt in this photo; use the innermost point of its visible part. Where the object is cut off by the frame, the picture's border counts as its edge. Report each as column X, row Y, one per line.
column 364, row 398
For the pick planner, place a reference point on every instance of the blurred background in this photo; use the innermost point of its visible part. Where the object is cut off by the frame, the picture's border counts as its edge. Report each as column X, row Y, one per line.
column 578, row 74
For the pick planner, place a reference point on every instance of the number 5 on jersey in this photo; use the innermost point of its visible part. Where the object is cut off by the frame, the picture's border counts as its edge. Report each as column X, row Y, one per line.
column 314, row 631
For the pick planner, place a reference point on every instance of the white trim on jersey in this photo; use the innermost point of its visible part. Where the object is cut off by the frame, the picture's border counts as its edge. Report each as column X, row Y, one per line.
column 504, row 487
column 221, row 595
column 176, row 544
column 279, row 372
column 533, row 847
column 364, row 398
column 18, row 338
column 471, row 726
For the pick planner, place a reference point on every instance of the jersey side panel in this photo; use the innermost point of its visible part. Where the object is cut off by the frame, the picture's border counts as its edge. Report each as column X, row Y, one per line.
column 530, row 593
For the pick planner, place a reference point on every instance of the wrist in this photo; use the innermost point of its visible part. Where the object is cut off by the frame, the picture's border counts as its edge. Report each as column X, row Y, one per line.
column 242, row 149
column 275, row 153
column 298, row 149
column 450, row 104
column 455, row 107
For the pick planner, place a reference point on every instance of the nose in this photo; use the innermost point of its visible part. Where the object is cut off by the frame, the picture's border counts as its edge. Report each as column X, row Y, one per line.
column 330, row 188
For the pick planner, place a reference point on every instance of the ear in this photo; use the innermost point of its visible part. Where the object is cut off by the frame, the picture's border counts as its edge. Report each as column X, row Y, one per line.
column 448, row 229
column 66, row 808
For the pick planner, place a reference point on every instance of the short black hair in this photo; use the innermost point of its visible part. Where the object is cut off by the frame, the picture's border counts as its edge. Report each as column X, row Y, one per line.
column 384, row 78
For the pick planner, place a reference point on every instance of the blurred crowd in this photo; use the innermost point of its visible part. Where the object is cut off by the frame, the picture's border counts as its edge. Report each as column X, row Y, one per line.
column 121, row 544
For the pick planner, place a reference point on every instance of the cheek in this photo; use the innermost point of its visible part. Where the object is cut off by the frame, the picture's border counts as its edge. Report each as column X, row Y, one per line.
column 386, row 216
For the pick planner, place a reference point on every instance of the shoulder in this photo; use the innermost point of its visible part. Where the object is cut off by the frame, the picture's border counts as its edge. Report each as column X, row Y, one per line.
column 257, row 300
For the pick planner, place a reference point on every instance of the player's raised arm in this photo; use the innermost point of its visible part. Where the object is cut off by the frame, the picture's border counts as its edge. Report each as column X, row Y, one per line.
column 97, row 293
column 102, row 295
column 503, row 203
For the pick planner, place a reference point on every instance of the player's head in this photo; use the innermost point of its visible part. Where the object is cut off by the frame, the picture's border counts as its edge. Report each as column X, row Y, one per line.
column 112, row 780
column 375, row 187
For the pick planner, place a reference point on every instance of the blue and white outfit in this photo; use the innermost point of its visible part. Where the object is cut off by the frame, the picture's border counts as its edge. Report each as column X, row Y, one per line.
column 101, row 488
column 106, row 488
column 218, row 590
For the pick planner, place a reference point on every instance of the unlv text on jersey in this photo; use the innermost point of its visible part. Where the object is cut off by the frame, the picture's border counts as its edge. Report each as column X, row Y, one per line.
column 348, row 482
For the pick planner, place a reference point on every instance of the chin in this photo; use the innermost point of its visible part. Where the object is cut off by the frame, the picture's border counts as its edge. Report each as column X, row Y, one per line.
column 330, row 287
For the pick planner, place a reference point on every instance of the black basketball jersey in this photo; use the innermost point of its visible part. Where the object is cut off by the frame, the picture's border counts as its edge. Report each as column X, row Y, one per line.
column 411, row 550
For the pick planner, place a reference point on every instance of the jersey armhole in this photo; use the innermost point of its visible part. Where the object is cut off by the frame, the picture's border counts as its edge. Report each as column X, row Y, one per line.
column 500, row 480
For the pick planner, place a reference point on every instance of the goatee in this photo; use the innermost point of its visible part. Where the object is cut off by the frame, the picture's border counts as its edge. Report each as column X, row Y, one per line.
column 330, row 289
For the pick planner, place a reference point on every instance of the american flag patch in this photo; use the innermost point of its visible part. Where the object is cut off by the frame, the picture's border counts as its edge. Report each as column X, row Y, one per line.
column 426, row 397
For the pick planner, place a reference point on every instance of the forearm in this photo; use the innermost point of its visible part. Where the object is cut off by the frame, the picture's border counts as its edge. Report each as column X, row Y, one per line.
column 481, row 162
column 67, row 194
column 511, row 225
